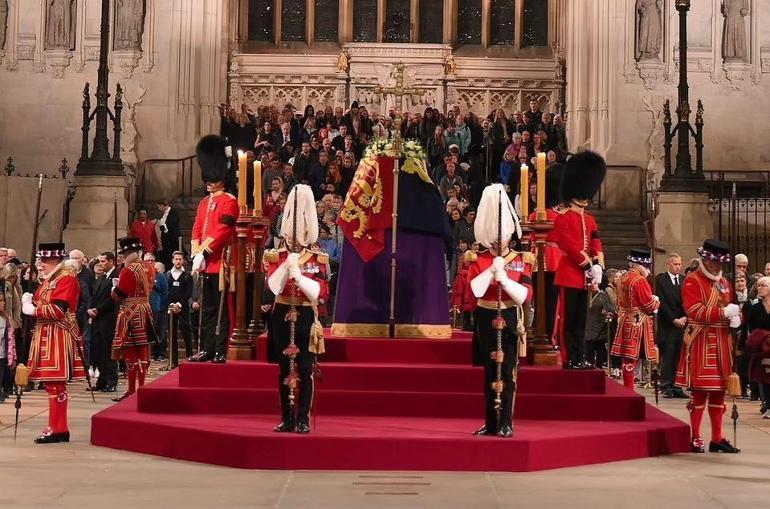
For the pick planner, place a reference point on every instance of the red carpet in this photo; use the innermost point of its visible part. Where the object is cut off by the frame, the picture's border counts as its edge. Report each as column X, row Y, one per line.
column 388, row 405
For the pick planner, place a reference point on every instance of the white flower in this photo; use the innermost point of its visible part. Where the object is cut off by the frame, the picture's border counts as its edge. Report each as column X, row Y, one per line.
column 228, row 151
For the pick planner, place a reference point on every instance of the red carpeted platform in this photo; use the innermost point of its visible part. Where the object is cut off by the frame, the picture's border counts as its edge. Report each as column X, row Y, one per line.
column 386, row 404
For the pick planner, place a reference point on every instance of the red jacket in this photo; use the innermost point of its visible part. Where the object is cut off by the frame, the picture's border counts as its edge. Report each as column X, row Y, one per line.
column 459, row 301
column 575, row 232
column 312, row 265
column 635, row 307
column 214, row 228
column 145, row 232
column 518, row 266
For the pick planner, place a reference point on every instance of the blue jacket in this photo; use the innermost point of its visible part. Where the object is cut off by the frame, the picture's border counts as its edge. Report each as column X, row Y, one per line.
column 159, row 296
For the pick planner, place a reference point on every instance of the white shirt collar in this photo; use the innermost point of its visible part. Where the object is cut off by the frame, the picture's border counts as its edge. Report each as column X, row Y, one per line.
column 177, row 272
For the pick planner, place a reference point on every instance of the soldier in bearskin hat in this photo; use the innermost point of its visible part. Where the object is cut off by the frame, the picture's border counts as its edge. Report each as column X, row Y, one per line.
column 636, row 305
column 134, row 326
column 55, row 352
column 582, row 265
column 213, row 232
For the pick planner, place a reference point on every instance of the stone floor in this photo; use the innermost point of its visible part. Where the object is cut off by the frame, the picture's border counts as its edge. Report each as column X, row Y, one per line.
column 78, row 475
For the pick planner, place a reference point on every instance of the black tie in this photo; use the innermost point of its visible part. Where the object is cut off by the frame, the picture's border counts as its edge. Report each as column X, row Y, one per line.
column 676, row 280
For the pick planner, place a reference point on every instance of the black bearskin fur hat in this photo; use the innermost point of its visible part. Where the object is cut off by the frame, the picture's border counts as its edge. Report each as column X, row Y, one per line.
column 583, row 175
column 212, row 158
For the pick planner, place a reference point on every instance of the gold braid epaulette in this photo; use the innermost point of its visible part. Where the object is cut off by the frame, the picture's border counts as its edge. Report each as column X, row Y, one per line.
column 470, row 256
column 528, row 258
column 322, row 257
column 270, row 256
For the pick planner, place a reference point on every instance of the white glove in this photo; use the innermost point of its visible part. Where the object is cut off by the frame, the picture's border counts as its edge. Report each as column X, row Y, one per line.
column 500, row 276
column 294, row 272
column 735, row 322
column 731, row 310
column 28, row 308
column 277, row 281
column 596, row 274
column 515, row 291
column 199, row 262
column 311, row 288
column 657, row 299
column 293, row 260
column 498, row 264
column 26, row 298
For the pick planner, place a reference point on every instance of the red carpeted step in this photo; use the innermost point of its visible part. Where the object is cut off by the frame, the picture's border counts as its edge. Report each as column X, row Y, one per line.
column 392, row 377
column 409, row 351
column 374, row 443
column 617, row 405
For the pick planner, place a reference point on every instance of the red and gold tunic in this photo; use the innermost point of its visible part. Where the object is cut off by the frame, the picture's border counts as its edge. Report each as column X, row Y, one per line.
column 54, row 354
column 553, row 253
column 135, row 316
column 706, row 358
column 575, row 232
column 635, row 327
column 214, row 229
column 518, row 266
column 311, row 264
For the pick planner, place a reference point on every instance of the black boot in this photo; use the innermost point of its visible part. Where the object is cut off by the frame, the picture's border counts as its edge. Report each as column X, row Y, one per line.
column 723, row 446
column 303, row 425
column 53, row 438
column 286, row 425
column 467, row 321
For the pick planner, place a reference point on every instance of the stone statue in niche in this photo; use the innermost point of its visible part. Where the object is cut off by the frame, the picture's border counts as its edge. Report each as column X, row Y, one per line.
column 343, row 62
column 734, row 35
column 60, row 24
column 129, row 24
column 3, row 22
column 649, row 31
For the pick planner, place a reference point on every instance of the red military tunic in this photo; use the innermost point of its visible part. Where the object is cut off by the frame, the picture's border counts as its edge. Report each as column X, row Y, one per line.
column 53, row 354
column 706, row 358
column 635, row 327
column 518, row 266
column 459, row 300
column 135, row 316
column 311, row 264
column 553, row 253
column 214, row 228
column 575, row 232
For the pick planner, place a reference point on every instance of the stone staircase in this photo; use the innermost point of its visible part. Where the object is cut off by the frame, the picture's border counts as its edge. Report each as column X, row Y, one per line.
column 620, row 230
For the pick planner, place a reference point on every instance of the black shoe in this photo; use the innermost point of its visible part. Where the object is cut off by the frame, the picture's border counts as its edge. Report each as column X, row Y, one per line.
column 505, row 432
column 723, row 446
column 697, row 445
column 53, row 438
column 679, row 394
column 484, row 432
column 203, row 357
column 762, row 408
column 668, row 394
column 218, row 359
column 109, row 388
column 285, row 426
column 95, row 388
column 303, row 427
column 118, row 399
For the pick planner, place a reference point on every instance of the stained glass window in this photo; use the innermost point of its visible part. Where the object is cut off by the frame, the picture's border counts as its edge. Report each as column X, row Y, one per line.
column 261, row 20
column 397, row 19
column 326, row 20
column 468, row 22
column 293, row 20
column 431, row 21
column 502, row 29
column 535, row 23
column 364, row 20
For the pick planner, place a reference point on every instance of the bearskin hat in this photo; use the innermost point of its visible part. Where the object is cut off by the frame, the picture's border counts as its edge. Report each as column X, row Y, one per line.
column 211, row 153
column 583, row 175
column 553, row 176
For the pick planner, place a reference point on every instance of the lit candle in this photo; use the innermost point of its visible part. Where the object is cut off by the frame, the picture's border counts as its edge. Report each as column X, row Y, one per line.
column 524, row 193
column 242, row 178
column 257, row 188
column 541, row 185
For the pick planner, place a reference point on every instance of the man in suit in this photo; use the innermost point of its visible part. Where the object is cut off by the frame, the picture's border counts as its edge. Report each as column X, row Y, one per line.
column 180, row 289
column 104, row 314
column 168, row 224
column 671, row 323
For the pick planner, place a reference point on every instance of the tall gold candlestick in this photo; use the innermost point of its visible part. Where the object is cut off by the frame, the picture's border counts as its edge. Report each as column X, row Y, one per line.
column 524, row 193
column 242, row 180
column 257, row 188
column 541, row 186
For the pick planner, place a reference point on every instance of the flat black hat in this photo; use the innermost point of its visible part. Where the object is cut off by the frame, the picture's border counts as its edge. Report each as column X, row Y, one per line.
column 715, row 250
column 640, row 256
column 128, row 244
column 583, row 175
column 212, row 158
column 51, row 250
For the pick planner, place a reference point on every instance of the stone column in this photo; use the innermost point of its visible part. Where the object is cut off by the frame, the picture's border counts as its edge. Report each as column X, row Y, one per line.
column 682, row 224
column 90, row 227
